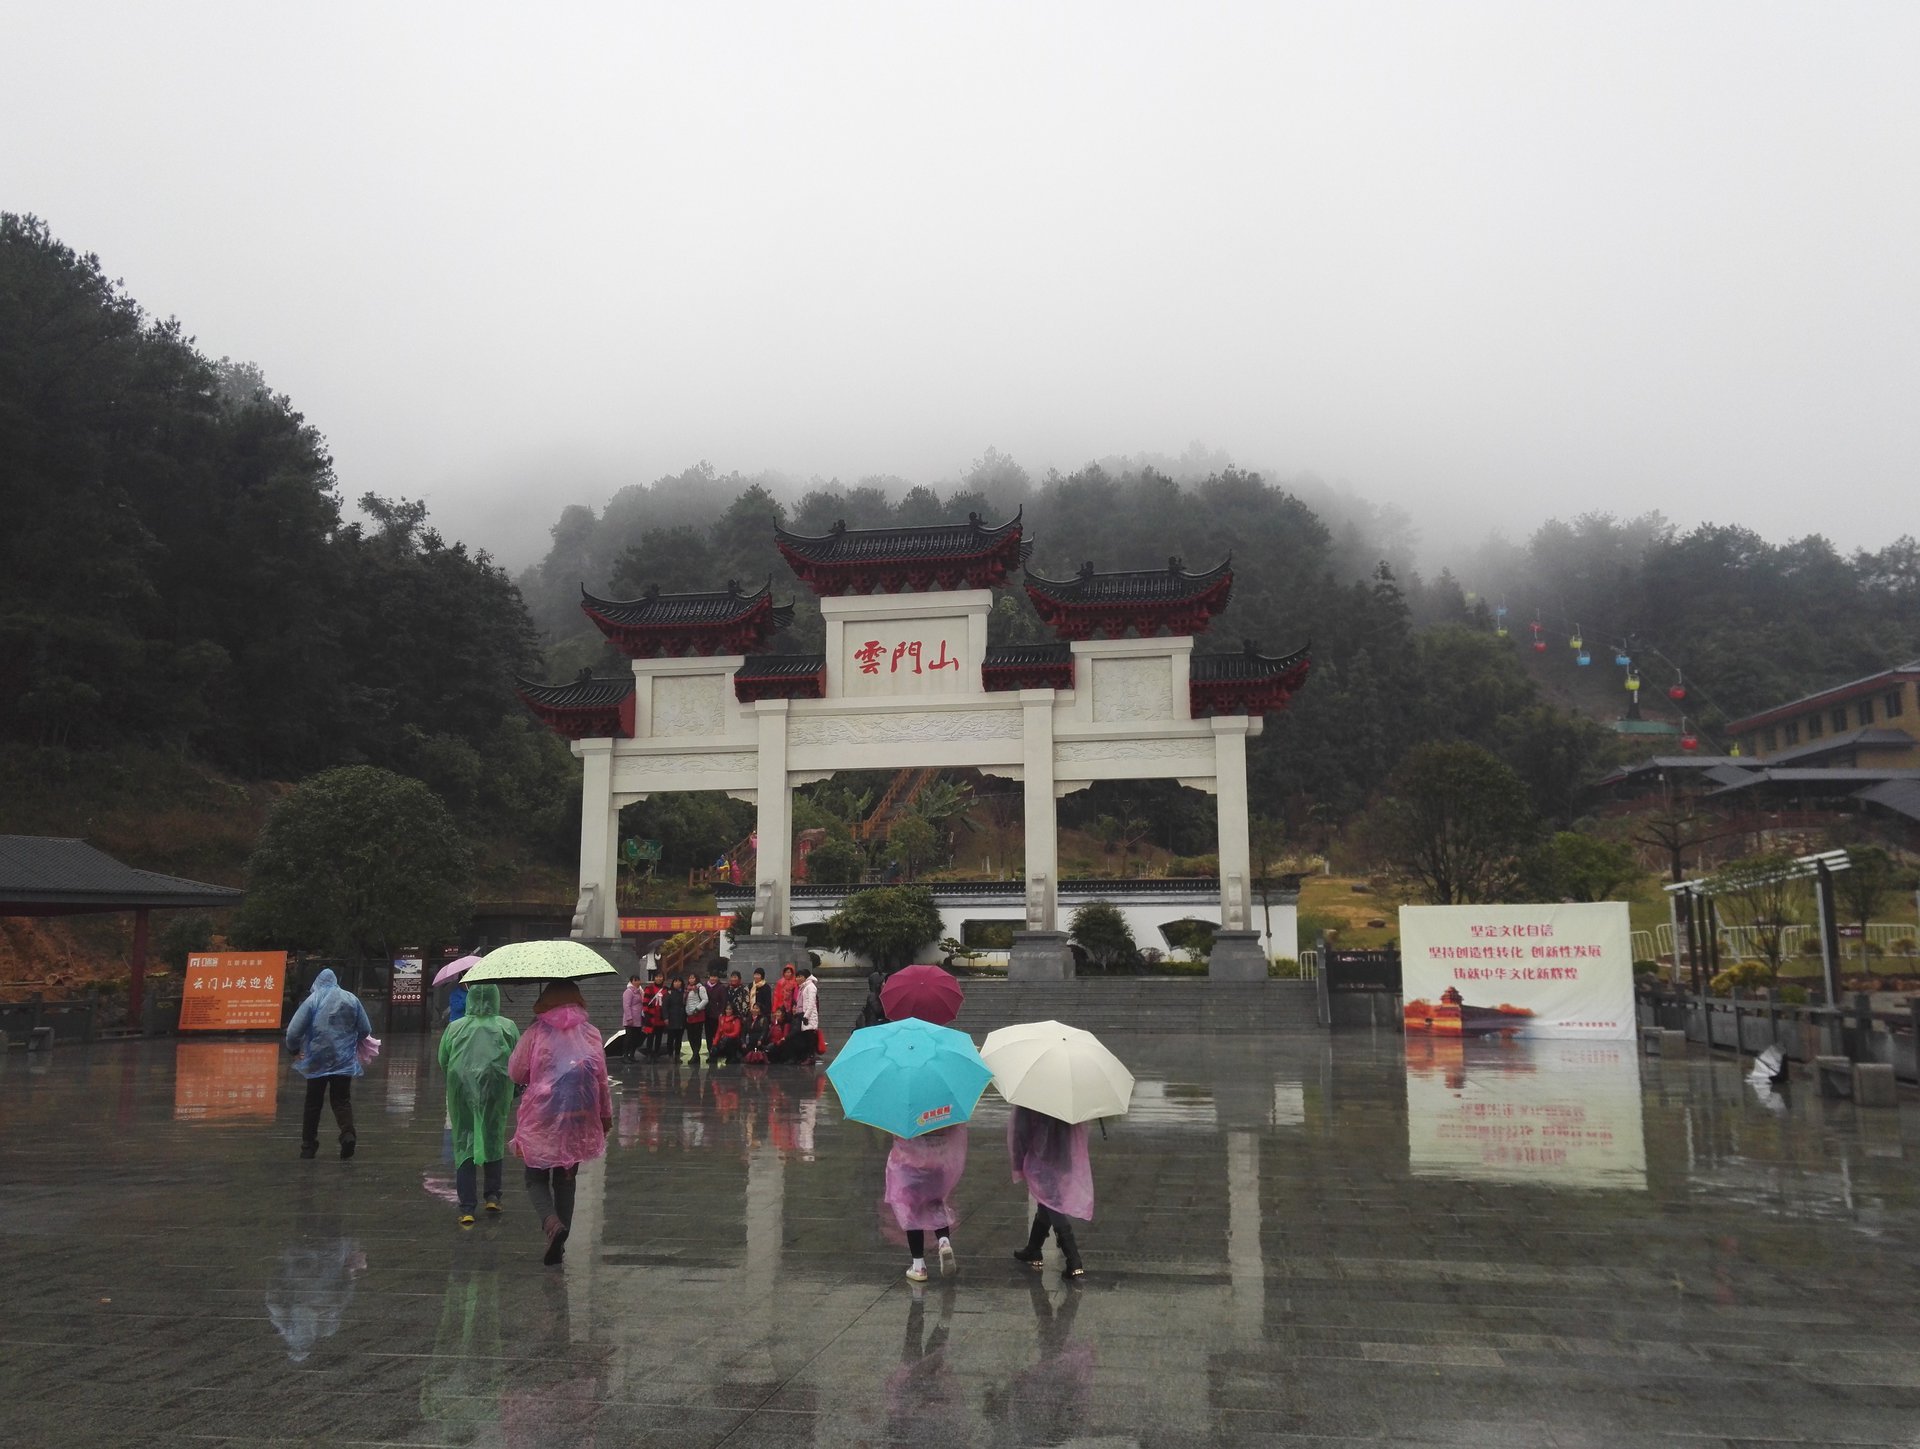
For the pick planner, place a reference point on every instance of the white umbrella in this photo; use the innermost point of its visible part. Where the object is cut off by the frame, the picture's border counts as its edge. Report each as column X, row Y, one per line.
column 1060, row 1070
column 540, row 961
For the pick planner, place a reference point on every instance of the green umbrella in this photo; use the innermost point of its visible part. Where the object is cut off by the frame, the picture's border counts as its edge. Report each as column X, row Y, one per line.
column 540, row 961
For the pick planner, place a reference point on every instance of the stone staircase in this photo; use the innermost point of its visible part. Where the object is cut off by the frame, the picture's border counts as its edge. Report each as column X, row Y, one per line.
column 1102, row 1005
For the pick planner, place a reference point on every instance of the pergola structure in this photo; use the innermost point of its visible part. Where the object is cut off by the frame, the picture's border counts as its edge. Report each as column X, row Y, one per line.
column 908, row 679
column 43, row 875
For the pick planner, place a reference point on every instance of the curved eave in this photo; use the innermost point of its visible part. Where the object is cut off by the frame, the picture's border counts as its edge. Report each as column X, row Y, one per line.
column 826, row 548
column 1073, row 591
column 1259, row 684
column 583, row 709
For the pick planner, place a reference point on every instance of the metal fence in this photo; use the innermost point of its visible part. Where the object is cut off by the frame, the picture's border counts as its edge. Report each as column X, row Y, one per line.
column 1751, row 1024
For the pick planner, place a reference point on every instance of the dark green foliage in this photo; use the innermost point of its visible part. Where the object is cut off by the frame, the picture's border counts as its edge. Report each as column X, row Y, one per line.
column 1103, row 933
column 692, row 826
column 887, row 926
column 182, row 937
column 1575, row 867
column 357, row 861
column 836, row 862
column 1455, row 822
column 175, row 571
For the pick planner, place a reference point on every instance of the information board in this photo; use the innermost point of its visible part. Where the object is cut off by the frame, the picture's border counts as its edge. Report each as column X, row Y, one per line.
column 1557, row 970
column 226, row 1080
column 233, row 991
column 404, row 990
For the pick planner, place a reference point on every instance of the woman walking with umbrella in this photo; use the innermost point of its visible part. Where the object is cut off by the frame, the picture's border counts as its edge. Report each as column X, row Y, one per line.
column 1057, row 1079
column 920, row 1083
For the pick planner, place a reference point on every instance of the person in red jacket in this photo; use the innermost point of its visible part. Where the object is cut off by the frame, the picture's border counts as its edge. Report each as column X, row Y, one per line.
column 654, row 1018
column 729, row 1039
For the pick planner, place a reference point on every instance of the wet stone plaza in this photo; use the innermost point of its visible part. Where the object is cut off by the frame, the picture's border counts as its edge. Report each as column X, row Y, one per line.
column 1300, row 1239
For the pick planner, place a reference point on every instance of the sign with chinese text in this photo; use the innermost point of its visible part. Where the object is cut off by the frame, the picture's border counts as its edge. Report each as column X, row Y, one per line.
column 226, row 1080
column 905, row 656
column 1560, row 970
column 1359, row 971
column 1553, row 1113
column 406, row 985
column 233, row 991
column 672, row 925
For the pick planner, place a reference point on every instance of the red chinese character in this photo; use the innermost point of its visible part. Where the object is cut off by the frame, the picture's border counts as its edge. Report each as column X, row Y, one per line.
column 911, row 651
column 869, row 656
column 943, row 662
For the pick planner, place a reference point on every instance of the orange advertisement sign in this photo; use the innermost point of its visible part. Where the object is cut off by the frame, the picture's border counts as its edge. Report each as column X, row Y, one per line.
column 672, row 925
column 230, row 1080
column 233, row 991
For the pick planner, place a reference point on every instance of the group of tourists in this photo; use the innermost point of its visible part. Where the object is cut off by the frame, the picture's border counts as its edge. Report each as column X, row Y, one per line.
column 557, row 1069
column 737, row 1021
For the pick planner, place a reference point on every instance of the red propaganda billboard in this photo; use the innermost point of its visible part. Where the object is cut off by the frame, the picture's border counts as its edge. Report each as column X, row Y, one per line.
column 1560, row 970
column 233, row 991
column 672, row 925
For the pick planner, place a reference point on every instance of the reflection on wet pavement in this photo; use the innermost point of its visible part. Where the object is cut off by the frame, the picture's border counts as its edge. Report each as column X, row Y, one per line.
column 1302, row 1240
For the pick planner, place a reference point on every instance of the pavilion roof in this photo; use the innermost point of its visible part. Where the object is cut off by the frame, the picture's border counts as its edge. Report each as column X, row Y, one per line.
column 1145, row 600
column 1246, row 683
column 723, row 621
column 894, row 560
column 50, row 873
column 780, row 676
column 1027, row 666
column 584, row 707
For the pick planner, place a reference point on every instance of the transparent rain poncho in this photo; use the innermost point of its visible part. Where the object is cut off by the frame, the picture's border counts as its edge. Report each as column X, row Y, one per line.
column 1050, row 1157
column 922, row 1173
column 474, row 1052
column 326, row 1031
column 562, row 1064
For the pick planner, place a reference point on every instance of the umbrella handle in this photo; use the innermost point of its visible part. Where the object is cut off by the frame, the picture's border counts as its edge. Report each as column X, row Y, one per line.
column 1103, row 1129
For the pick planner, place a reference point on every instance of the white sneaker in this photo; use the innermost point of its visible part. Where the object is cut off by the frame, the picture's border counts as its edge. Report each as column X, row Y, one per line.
column 916, row 1275
column 947, row 1265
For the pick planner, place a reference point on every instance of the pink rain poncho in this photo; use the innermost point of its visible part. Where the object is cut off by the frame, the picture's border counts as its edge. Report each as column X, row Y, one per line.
column 922, row 1173
column 1050, row 1157
column 564, row 1068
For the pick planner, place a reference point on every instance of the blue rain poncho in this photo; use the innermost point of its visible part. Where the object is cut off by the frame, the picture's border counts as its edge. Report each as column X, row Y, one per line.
column 474, row 1053
column 325, row 1033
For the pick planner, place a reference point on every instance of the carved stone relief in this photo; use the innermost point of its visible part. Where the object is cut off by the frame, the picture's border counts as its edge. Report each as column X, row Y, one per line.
column 884, row 729
column 659, row 772
column 689, row 704
column 1074, row 752
column 1132, row 689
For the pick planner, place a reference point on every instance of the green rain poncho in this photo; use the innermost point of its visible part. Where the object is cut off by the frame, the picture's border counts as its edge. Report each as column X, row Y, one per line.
column 473, row 1054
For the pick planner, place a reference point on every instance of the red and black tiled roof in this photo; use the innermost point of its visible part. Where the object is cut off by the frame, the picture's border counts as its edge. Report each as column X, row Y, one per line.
column 1145, row 600
column 846, row 560
column 780, row 676
column 1027, row 666
column 1245, row 683
column 726, row 621
column 585, row 708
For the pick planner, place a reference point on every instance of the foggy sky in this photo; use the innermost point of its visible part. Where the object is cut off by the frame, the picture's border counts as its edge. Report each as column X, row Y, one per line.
column 1491, row 263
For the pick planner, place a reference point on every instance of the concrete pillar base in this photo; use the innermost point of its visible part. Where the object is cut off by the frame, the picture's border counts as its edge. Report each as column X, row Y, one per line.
column 769, row 953
column 1237, row 956
column 1040, row 956
column 1873, row 1085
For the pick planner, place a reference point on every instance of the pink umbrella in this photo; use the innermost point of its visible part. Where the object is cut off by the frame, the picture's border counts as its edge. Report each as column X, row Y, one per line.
column 455, row 968
column 923, row 991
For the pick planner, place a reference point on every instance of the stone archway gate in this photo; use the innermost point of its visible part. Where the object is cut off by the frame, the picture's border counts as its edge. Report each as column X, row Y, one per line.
column 907, row 678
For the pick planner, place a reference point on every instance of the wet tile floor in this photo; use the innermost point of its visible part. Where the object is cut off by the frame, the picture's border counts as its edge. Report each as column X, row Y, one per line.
column 1304, row 1240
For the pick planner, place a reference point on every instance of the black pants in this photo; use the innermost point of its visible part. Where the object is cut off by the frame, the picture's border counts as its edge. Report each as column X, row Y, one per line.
column 696, row 1033
column 551, row 1190
column 669, row 1043
column 338, row 1091
column 466, row 1178
column 917, row 1240
column 1044, row 1218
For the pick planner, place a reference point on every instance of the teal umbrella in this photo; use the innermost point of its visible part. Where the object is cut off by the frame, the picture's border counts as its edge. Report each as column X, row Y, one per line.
column 909, row 1077
column 539, row 961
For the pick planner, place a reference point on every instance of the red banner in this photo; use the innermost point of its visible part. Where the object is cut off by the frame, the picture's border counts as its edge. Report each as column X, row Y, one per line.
column 672, row 925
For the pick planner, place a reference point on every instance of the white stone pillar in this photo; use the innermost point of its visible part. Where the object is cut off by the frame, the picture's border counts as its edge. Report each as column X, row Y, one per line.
column 773, row 865
column 1236, row 854
column 599, row 832
column 1042, row 822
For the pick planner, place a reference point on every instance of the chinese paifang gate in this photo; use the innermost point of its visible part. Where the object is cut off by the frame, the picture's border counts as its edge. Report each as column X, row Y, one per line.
column 908, row 680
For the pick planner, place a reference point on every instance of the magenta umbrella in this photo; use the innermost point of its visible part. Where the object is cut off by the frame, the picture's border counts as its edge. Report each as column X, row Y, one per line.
column 923, row 991
column 455, row 968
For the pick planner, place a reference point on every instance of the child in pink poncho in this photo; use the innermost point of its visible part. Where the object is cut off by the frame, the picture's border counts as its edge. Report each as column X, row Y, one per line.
column 921, row 1174
column 1050, row 1157
column 567, row 1109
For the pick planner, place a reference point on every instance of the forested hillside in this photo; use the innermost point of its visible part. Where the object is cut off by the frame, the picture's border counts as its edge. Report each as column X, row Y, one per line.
column 176, row 577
